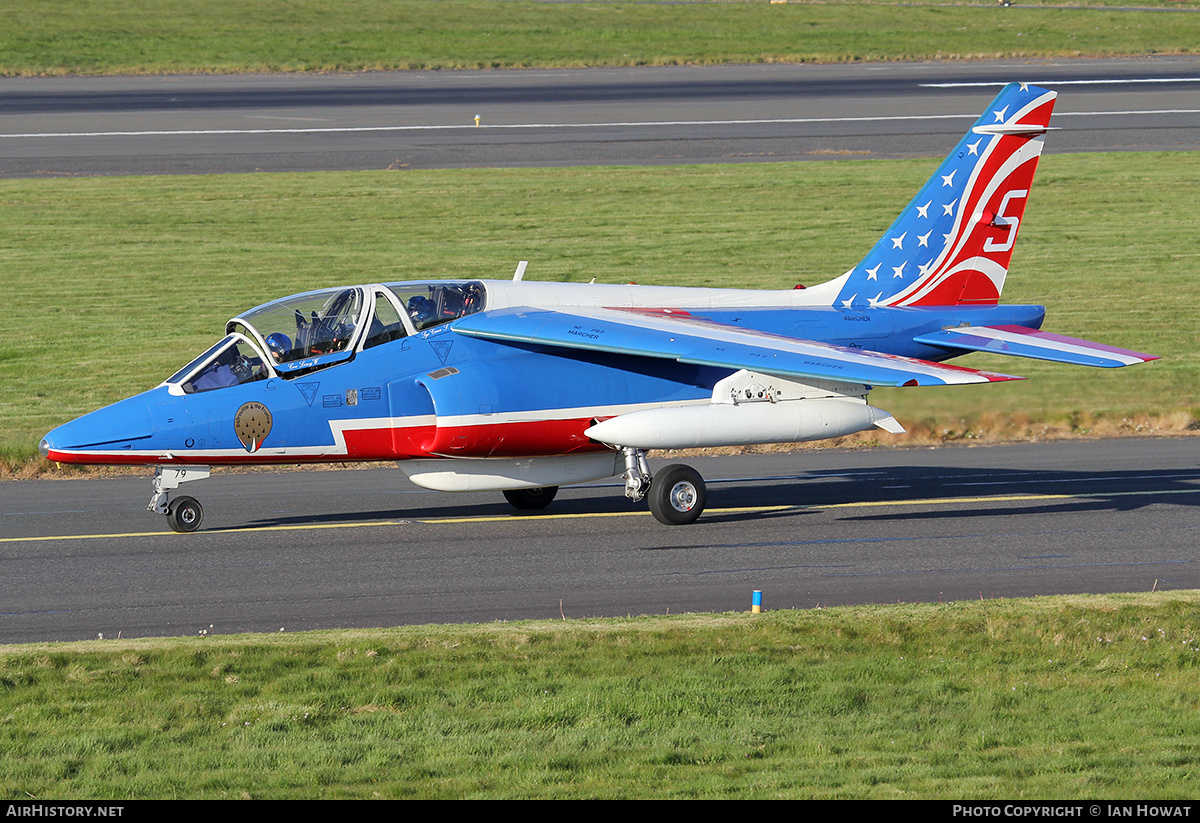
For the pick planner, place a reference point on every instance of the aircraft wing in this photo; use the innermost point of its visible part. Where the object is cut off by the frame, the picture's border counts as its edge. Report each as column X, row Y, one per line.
column 686, row 339
column 1020, row 341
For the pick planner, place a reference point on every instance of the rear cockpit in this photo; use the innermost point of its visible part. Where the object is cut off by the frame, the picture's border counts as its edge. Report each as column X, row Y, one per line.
column 430, row 304
column 314, row 330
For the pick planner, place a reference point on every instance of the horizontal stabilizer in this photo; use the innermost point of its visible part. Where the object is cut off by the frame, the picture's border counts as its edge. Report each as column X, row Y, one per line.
column 692, row 340
column 1019, row 341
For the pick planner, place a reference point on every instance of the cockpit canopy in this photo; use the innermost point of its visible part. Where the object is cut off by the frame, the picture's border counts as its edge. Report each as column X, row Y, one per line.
column 305, row 332
column 305, row 325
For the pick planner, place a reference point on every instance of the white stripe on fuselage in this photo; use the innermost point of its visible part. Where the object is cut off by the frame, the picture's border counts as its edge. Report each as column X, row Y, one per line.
column 503, row 294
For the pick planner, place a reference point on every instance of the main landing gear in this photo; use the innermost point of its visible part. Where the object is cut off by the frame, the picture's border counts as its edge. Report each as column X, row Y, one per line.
column 184, row 514
column 676, row 494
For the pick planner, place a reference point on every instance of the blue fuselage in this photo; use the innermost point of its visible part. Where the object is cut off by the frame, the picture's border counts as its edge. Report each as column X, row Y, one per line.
column 438, row 393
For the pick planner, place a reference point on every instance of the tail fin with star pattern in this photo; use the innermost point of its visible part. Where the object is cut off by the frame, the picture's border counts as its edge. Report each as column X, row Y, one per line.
column 953, row 242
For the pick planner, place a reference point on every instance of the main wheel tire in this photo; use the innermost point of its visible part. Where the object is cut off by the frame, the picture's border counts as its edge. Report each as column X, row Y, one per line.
column 184, row 514
column 677, row 495
column 529, row 499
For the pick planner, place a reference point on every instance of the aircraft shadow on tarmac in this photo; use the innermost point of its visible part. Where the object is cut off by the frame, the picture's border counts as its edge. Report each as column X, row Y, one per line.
column 970, row 493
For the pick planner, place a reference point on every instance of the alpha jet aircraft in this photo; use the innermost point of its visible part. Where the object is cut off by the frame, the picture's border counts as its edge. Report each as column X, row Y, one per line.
column 522, row 387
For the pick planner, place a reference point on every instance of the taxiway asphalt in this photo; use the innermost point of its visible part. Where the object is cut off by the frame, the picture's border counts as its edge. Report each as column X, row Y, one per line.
column 359, row 548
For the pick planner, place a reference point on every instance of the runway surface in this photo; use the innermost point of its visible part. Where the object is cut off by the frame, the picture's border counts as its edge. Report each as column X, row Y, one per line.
column 323, row 549
column 406, row 120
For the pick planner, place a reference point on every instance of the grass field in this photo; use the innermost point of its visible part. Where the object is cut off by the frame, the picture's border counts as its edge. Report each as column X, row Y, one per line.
column 1051, row 698
column 167, row 36
column 113, row 283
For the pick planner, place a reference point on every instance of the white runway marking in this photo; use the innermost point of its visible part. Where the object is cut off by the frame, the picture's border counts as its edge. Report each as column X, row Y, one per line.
column 471, row 126
column 1052, row 83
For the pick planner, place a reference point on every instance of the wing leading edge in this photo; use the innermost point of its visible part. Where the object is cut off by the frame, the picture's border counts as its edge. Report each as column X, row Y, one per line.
column 696, row 341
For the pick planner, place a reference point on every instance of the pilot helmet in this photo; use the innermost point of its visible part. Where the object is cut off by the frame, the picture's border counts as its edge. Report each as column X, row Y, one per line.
column 420, row 309
column 279, row 345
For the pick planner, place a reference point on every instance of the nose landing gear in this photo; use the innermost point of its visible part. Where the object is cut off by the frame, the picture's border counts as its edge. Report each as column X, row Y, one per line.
column 184, row 514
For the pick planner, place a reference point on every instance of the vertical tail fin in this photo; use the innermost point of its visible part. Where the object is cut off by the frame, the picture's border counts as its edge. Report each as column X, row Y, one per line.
column 952, row 244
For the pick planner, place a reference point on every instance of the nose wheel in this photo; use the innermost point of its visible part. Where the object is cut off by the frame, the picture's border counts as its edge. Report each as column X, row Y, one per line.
column 184, row 514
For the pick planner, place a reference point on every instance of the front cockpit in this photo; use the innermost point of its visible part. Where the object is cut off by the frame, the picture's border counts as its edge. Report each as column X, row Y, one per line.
column 314, row 330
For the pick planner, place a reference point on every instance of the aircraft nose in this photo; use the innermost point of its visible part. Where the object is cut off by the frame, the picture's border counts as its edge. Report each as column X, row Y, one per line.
column 57, row 439
column 114, row 428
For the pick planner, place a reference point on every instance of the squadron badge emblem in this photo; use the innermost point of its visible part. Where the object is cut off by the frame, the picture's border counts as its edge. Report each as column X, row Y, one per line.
column 252, row 424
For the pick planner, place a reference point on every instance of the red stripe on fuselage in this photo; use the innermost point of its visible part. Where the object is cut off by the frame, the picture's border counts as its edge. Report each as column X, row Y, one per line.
column 511, row 439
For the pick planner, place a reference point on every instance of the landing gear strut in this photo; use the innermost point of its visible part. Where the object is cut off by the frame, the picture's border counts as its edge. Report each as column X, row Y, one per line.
column 183, row 513
column 677, row 493
column 637, row 474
